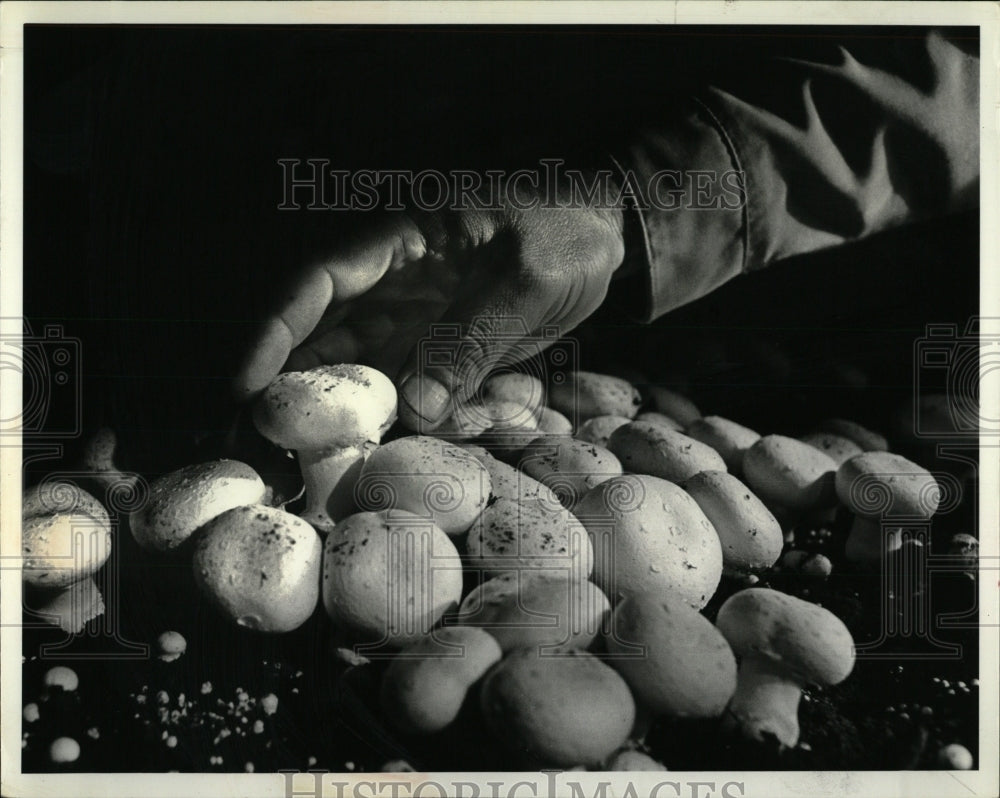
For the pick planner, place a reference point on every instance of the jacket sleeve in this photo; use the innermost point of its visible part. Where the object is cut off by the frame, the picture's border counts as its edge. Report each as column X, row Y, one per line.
column 828, row 153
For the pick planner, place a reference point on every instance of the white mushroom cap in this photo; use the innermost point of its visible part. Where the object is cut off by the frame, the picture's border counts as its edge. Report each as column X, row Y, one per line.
column 729, row 439
column 674, row 660
column 61, row 549
column 58, row 496
column 326, row 407
column 181, row 502
column 260, row 566
column 527, row 608
column 874, row 484
column 808, row 642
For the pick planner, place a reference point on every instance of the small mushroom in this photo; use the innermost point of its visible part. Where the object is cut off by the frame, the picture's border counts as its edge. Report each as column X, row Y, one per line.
column 955, row 757
column 333, row 417
column 183, row 501
column 674, row 660
column 171, row 646
column 260, row 567
column 807, row 563
column 424, row 688
column 783, row 644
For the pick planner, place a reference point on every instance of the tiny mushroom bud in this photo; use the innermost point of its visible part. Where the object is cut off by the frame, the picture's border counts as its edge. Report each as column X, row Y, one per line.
column 61, row 677
column 333, row 417
column 64, row 750
column 783, row 643
column 171, row 646
column 183, row 501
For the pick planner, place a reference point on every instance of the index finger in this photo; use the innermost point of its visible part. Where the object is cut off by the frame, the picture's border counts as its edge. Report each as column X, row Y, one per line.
column 337, row 279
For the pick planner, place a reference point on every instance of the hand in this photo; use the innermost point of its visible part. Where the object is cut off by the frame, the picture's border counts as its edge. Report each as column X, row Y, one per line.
column 493, row 272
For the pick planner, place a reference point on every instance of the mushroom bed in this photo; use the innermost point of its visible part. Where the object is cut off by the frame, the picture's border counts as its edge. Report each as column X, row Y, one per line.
column 590, row 574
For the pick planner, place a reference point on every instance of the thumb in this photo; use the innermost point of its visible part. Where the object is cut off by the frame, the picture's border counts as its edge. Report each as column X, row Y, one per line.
column 449, row 365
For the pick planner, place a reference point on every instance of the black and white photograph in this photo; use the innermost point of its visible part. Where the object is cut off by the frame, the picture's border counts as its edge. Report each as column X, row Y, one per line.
column 499, row 399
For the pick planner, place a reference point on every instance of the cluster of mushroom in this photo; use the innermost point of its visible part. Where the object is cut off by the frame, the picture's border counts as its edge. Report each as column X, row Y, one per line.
column 544, row 556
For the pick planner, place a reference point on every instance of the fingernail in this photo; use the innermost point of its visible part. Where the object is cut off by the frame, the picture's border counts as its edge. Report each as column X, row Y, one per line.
column 426, row 398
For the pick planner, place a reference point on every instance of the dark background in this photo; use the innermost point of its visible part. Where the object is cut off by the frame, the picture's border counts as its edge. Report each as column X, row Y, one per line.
column 151, row 233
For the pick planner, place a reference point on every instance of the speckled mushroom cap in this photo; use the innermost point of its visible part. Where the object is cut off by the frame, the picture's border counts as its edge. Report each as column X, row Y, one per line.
column 59, row 550
column 326, row 407
column 58, row 496
column 882, row 483
column 810, row 643
column 427, row 476
column 260, row 566
column 674, row 660
column 182, row 501
column 648, row 534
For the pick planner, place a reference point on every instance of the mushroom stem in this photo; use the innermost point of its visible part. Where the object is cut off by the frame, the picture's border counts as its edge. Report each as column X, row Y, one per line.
column 766, row 701
column 330, row 476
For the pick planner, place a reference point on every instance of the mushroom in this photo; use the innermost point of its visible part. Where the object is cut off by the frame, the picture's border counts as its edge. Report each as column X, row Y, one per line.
column 729, row 439
column 181, row 502
column 65, row 535
column 332, row 417
column 424, row 688
column 568, row 466
column 599, row 428
column 428, row 477
column 783, row 644
column 260, row 566
column 648, row 534
column 559, row 708
column 866, row 439
column 536, row 608
column 675, row 405
column 749, row 533
column 646, row 447
column 388, row 577
column 585, row 394
column 515, row 387
column 676, row 663
column 788, row 473
column 552, row 422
